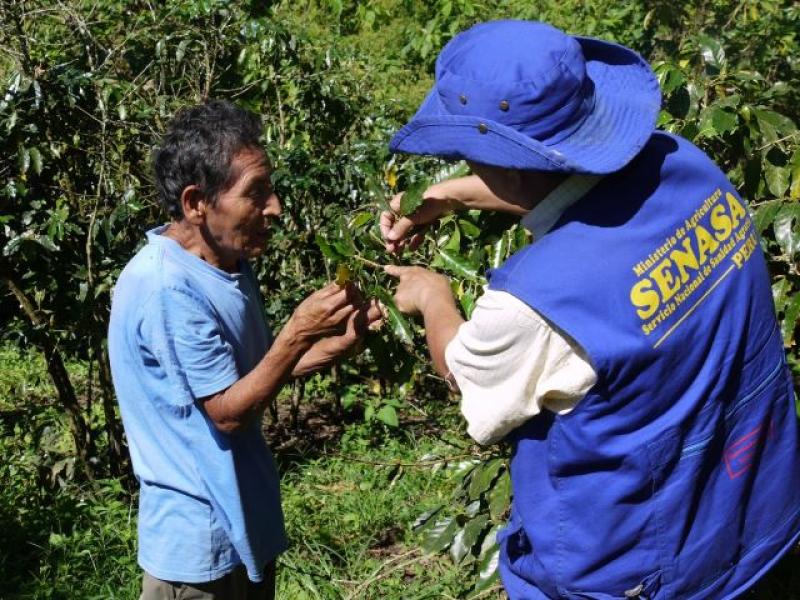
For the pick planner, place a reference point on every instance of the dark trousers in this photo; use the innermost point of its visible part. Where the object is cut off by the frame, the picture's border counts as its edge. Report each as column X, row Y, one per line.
column 233, row 586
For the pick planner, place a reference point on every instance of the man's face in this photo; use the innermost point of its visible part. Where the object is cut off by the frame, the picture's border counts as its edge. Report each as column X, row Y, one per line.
column 238, row 223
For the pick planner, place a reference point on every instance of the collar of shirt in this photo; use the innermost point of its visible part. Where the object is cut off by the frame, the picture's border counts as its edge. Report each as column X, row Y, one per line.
column 186, row 258
column 545, row 214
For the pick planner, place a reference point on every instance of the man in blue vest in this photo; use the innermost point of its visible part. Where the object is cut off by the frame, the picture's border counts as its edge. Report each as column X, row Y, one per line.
column 194, row 363
column 630, row 353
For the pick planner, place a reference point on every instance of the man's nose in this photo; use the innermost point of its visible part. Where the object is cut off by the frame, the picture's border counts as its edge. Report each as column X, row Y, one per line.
column 273, row 207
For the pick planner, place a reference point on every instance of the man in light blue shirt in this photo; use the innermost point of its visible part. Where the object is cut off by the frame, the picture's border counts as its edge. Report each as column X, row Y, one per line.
column 194, row 362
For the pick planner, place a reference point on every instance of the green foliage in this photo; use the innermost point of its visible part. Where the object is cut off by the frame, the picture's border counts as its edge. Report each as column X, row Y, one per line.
column 482, row 498
column 86, row 88
column 349, row 502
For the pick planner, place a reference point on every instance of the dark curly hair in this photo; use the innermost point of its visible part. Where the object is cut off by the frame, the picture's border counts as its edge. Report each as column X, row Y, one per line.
column 197, row 149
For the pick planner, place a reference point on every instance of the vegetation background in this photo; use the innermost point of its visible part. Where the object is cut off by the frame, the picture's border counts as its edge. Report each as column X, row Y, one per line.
column 384, row 494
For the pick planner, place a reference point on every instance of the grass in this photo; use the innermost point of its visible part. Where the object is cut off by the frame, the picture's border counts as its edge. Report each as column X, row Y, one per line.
column 351, row 491
column 348, row 517
column 348, row 521
column 350, row 494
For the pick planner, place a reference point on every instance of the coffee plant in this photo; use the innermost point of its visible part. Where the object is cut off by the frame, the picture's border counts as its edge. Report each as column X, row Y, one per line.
column 86, row 87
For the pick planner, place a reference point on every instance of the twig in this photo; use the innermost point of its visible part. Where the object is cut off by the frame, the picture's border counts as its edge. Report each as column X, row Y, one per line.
column 417, row 408
column 383, row 572
column 368, row 262
column 733, row 15
column 379, row 266
column 778, row 141
column 494, row 589
column 420, row 464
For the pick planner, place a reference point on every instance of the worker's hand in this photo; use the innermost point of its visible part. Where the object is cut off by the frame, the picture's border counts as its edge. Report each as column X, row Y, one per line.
column 418, row 288
column 325, row 312
column 404, row 232
column 368, row 317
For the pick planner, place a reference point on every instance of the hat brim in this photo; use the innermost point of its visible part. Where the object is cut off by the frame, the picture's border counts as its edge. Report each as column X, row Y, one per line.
column 627, row 103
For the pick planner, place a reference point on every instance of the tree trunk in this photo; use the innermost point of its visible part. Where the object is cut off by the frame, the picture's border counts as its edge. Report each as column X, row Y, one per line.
column 336, row 381
column 118, row 457
column 81, row 434
column 298, row 390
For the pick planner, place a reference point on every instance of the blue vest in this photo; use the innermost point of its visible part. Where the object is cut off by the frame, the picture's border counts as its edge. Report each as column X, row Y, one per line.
column 678, row 475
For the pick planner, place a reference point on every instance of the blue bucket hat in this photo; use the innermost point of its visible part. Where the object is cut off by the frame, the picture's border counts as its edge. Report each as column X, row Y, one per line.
column 525, row 95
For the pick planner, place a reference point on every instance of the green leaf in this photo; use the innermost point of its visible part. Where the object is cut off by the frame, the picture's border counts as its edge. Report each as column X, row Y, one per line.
column 780, row 293
column 181, row 51
column 521, row 238
column 441, row 535
column 458, row 265
column 326, row 249
column 45, row 242
column 794, row 169
column 723, row 121
column 36, row 160
column 24, row 159
column 470, row 230
column 790, row 318
column 712, row 52
column 671, row 78
column 500, row 497
column 715, row 121
column 500, row 251
column 412, row 198
column 388, row 415
column 483, row 477
column 731, row 101
column 787, row 229
column 487, row 569
column 452, row 242
column 400, row 327
column 343, row 248
column 765, row 214
column 485, row 553
column 426, row 518
column 361, row 219
column 773, row 125
column 467, row 302
column 451, row 171
column 466, row 539
column 777, row 179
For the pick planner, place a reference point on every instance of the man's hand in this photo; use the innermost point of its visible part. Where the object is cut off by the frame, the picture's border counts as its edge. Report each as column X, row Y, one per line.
column 325, row 352
column 368, row 317
column 399, row 232
column 491, row 188
column 418, row 289
column 424, row 292
column 323, row 313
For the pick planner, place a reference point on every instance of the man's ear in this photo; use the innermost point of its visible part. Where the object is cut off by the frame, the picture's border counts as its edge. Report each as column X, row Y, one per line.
column 194, row 205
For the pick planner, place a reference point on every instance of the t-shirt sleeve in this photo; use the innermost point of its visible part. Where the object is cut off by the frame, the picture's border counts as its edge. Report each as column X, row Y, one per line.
column 509, row 364
column 181, row 331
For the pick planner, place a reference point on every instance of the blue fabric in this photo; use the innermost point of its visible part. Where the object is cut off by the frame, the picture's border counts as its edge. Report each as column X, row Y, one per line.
column 678, row 475
column 180, row 330
column 524, row 95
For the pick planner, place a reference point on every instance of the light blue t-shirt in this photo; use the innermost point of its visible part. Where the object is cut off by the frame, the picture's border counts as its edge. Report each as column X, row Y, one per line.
column 181, row 330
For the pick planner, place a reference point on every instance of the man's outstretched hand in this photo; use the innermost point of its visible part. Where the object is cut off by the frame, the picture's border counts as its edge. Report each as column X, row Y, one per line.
column 423, row 292
column 404, row 232
column 418, row 289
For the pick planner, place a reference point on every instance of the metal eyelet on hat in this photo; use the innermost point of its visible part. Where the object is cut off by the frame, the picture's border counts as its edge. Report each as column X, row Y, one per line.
column 483, row 128
column 462, row 98
column 504, row 105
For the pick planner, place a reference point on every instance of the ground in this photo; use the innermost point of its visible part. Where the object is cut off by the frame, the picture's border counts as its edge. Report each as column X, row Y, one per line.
column 351, row 491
